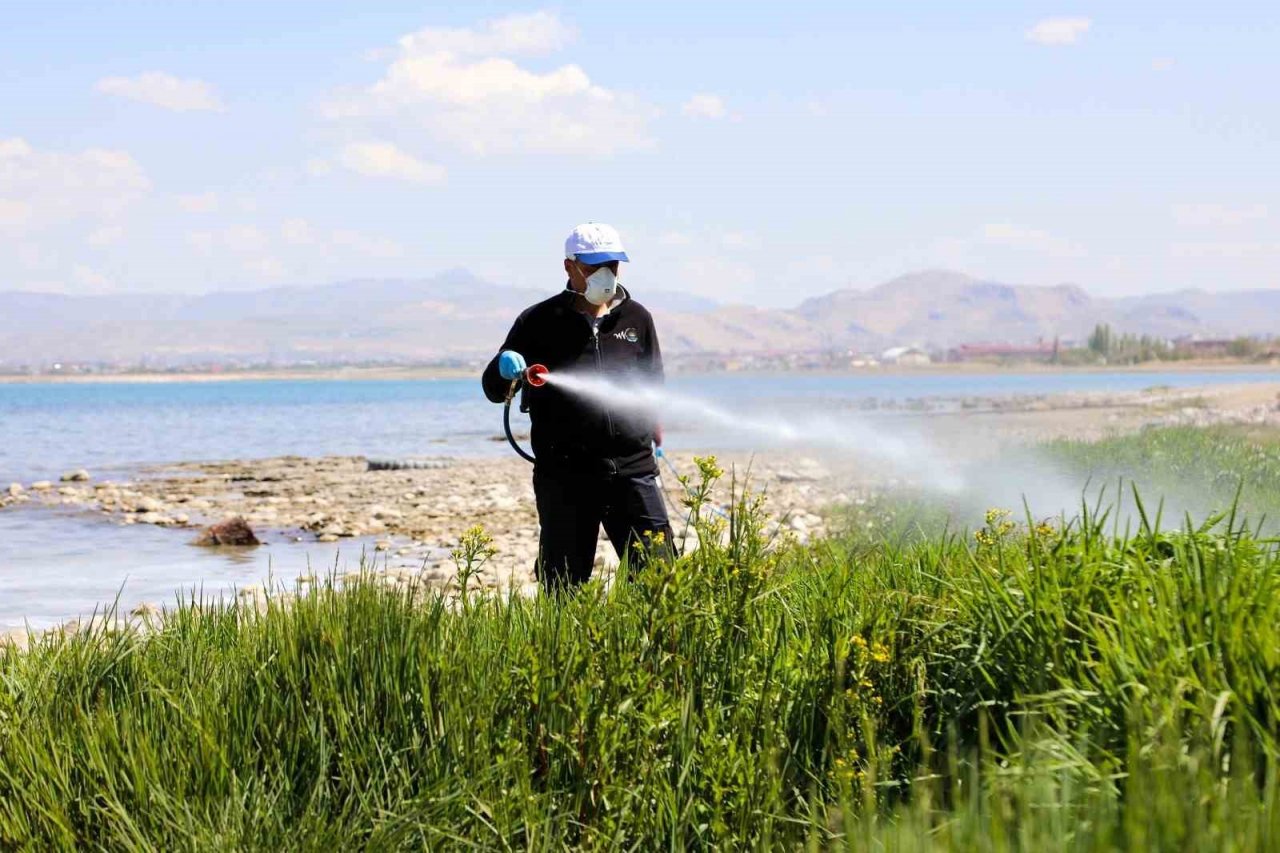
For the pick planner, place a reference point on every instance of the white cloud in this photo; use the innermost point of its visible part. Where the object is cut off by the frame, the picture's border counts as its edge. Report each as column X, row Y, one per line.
column 705, row 106
column 297, row 232
column 88, row 279
column 201, row 241
column 106, row 235
column 163, row 90
column 14, row 212
column 44, row 188
column 366, row 244
column 1033, row 239
column 534, row 34
column 1217, row 215
column 461, row 85
column 318, row 167
column 239, row 239
column 1256, row 252
column 1057, row 31
column 266, row 268
column 205, row 202
column 385, row 160
column 1163, row 63
column 674, row 238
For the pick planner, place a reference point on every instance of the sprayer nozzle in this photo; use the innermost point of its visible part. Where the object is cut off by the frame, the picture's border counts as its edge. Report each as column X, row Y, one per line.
column 536, row 375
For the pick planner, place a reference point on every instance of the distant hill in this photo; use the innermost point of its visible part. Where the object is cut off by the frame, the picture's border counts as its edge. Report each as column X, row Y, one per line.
column 459, row 315
column 941, row 308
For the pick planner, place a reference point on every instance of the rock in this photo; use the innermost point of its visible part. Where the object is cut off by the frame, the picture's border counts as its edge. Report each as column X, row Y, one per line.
column 382, row 545
column 78, row 476
column 15, row 489
column 41, row 485
column 181, row 518
column 150, row 518
column 147, row 504
column 327, row 537
column 145, row 611
column 234, row 531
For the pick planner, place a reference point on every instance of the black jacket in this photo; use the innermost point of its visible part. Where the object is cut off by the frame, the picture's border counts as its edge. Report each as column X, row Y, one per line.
column 570, row 433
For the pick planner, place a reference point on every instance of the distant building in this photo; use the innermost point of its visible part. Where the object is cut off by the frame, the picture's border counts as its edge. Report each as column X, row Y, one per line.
column 1204, row 347
column 1042, row 351
column 906, row 356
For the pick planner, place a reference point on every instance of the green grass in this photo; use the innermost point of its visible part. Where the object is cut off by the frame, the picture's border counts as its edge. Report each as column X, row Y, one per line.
column 1050, row 689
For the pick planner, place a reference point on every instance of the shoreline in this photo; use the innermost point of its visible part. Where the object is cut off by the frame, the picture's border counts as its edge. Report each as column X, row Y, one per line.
column 428, row 373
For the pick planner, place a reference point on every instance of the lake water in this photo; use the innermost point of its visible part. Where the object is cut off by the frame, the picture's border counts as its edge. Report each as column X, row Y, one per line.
column 55, row 564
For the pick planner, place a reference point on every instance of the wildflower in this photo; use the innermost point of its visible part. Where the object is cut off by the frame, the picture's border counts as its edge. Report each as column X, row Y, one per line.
column 879, row 653
column 995, row 514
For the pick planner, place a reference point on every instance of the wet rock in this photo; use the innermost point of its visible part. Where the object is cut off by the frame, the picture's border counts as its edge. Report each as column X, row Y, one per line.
column 147, row 504
column 78, row 476
column 41, row 486
column 234, row 531
column 327, row 537
column 15, row 489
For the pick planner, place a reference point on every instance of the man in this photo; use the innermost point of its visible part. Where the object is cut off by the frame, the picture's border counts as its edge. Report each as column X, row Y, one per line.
column 595, row 464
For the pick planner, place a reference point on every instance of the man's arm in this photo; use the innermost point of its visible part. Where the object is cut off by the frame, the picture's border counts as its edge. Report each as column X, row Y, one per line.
column 495, row 387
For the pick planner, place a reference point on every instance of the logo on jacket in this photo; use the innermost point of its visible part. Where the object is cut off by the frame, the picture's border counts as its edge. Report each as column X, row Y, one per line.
column 631, row 336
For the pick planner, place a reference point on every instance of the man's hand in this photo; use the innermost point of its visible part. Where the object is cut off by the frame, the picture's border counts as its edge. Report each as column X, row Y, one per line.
column 657, row 435
column 511, row 364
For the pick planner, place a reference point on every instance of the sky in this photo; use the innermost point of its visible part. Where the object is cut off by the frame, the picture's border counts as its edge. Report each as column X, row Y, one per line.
column 749, row 152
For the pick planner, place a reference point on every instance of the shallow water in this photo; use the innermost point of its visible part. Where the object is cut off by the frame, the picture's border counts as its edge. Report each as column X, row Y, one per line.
column 57, row 563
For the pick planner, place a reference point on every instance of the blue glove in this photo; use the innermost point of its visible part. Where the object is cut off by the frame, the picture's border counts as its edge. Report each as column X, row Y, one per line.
column 511, row 364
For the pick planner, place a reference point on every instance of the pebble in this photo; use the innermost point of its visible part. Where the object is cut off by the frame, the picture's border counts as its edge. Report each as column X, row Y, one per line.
column 15, row 489
column 41, row 485
column 77, row 476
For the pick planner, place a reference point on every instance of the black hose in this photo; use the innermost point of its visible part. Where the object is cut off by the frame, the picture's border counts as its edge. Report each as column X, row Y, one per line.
column 506, row 427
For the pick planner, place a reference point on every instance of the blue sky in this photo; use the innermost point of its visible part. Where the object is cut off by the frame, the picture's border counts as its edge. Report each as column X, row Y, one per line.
column 750, row 152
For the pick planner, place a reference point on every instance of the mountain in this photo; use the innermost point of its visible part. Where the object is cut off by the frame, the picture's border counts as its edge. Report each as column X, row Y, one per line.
column 457, row 315
column 941, row 308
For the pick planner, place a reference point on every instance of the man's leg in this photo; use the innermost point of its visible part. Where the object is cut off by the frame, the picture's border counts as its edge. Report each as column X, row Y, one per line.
column 634, row 516
column 569, row 510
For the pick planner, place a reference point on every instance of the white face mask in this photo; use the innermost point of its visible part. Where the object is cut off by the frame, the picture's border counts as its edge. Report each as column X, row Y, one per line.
column 601, row 286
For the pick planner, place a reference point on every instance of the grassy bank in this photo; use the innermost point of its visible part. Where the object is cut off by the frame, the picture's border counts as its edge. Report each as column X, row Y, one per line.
column 1035, row 686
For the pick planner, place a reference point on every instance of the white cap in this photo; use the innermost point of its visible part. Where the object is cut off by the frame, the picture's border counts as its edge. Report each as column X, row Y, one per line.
column 594, row 243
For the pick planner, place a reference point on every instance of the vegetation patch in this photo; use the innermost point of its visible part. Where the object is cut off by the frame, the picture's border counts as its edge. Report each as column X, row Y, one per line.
column 1034, row 684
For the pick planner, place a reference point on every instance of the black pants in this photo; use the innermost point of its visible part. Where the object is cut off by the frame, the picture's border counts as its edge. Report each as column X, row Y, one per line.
column 571, row 509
